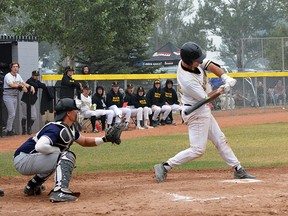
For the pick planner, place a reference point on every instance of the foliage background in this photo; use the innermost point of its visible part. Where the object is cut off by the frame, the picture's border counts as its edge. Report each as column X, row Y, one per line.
column 115, row 36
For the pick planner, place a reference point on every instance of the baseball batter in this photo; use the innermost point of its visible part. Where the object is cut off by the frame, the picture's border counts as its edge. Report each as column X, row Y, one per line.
column 49, row 151
column 201, row 124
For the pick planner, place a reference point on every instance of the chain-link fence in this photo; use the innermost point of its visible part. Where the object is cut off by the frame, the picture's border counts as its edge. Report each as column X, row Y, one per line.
column 264, row 54
column 261, row 90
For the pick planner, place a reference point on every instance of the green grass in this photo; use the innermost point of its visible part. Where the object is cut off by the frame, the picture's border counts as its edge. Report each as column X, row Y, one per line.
column 259, row 145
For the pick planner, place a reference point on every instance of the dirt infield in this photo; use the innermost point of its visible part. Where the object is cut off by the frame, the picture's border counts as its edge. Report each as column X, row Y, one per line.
column 193, row 192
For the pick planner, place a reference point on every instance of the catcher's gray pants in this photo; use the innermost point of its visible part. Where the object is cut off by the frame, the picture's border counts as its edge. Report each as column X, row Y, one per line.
column 24, row 111
column 11, row 105
column 41, row 164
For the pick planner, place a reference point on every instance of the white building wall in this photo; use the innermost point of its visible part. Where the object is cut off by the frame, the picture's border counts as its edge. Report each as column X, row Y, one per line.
column 27, row 55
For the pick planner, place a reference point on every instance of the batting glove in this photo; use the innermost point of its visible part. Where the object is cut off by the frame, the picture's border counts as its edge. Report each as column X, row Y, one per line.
column 228, row 80
column 225, row 88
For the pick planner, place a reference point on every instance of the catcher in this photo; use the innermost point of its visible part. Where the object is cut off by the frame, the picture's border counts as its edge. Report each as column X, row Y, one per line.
column 49, row 151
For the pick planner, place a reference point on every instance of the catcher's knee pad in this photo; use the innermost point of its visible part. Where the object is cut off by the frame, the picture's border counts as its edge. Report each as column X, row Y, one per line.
column 68, row 155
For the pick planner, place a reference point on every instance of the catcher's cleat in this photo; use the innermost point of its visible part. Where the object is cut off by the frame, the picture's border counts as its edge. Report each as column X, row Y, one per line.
column 242, row 174
column 59, row 196
column 160, row 172
column 139, row 128
column 34, row 191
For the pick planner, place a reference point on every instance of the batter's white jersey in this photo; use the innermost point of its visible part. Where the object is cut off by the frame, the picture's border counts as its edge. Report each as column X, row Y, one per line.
column 194, row 87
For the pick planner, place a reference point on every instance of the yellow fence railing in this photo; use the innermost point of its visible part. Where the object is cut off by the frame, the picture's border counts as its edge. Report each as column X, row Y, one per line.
column 55, row 77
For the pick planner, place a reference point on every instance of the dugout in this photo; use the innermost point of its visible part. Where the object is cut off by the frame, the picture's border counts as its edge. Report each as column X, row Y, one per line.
column 24, row 50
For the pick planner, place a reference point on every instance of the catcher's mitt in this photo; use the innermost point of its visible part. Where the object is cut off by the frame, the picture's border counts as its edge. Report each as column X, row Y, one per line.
column 113, row 134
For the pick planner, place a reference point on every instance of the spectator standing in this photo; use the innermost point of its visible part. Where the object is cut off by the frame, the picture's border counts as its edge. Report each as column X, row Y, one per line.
column 13, row 84
column 260, row 93
column 69, row 85
column 86, row 71
column 141, row 101
column 130, row 99
column 156, row 101
column 279, row 92
column 215, row 84
column 114, row 101
column 32, row 81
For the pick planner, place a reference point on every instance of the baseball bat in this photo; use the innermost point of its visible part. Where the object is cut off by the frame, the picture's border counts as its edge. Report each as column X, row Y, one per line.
column 211, row 97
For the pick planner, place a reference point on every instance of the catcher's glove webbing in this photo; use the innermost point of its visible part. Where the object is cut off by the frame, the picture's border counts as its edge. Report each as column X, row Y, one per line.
column 113, row 134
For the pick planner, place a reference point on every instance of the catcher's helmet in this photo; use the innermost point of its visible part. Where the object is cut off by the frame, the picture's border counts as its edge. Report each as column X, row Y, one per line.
column 190, row 52
column 64, row 105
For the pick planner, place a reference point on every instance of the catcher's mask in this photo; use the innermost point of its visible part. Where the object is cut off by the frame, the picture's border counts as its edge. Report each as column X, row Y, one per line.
column 191, row 52
column 64, row 105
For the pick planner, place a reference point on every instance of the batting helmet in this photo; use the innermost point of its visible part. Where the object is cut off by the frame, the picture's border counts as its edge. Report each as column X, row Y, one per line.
column 64, row 105
column 191, row 52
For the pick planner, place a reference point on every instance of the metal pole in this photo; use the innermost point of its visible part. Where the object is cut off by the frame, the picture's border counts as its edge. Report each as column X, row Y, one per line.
column 282, row 49
column 28, row 106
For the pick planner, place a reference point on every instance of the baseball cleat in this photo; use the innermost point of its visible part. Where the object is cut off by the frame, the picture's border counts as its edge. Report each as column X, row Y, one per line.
column 59, row 196
column 160, row 173
column 33, row 191
column 242, row 174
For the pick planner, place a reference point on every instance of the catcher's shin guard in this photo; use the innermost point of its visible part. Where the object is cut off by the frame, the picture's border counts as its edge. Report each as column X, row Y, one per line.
column 64, row 170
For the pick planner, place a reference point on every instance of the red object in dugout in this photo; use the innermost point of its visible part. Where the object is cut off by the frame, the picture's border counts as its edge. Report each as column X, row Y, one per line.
column 98, row 127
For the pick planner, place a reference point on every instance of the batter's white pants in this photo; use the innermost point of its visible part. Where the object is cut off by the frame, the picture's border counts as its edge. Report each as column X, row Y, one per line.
column 100, row 112
column 201, row 127
column 165, row 109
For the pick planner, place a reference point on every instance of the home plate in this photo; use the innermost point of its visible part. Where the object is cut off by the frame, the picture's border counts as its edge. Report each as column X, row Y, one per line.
column 242, row 181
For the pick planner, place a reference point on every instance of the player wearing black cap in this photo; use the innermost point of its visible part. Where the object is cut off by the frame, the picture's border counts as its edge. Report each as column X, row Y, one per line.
column 115, row 101
column 156, row 101
column 30, row 98
column 69, row 85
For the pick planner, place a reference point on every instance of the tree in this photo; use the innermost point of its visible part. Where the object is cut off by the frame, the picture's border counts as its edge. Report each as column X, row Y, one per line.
column 238, row 19
column 102, row 34
column 276, row 49
column 177, row 24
